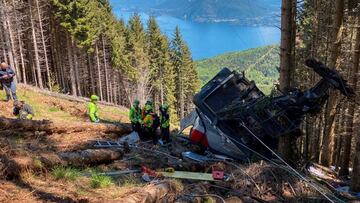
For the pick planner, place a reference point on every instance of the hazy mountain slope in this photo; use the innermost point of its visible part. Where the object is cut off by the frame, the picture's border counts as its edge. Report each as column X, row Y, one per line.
column 260, row 64
column 251, row 12
column 141, row 4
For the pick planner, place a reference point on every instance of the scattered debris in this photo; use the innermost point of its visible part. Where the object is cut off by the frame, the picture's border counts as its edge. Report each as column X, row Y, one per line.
column 328, row 177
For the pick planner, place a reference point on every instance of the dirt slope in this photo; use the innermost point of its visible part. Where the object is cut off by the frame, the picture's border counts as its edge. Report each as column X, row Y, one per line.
column 56, row 162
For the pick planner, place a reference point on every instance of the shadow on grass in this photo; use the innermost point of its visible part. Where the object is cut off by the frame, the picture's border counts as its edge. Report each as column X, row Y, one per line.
column 46, row 196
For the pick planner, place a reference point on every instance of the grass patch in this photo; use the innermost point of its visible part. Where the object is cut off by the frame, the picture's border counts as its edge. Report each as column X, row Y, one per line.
column 54, row 109
column 66, row 173
column 38, row 164
column 98, row 181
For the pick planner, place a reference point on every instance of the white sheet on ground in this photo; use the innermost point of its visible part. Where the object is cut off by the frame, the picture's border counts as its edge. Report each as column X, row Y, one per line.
column 131, row 138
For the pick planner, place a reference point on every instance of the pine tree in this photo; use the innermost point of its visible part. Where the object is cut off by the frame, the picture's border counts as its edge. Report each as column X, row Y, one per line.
column 186, row 78
column 138, row 58
column 162, row 74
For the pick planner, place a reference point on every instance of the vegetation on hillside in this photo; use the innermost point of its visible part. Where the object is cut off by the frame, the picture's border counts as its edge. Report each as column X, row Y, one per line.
column 260, row 64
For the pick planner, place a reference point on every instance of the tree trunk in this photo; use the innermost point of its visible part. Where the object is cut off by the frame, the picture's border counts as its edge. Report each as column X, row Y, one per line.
column 36, row 49
column 106, row 70
column 91, row 74
column 98, row 71
column 76, row 69
column 12, row 57
column 71, row 65
column 286, row 64
column 61, row 127
column 344, row 171
column 331, row 110
column 6, row 32
column 43, row 44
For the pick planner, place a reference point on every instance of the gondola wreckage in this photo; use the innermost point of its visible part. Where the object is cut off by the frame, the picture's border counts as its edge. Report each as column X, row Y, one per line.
column 234, row 120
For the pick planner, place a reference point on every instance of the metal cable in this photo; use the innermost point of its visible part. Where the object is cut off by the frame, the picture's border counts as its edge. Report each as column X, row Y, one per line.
column 292, row 169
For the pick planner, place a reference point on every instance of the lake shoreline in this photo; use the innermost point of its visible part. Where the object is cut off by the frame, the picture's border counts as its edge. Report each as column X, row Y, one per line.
column 207, row 40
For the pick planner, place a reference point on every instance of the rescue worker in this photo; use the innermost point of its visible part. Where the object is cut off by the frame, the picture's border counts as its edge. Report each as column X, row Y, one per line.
column 93, row 109
column 148, row 105
column 7, row 81
column 135, row 116
column 23, row 111
column 165, row 123
column 149, row 124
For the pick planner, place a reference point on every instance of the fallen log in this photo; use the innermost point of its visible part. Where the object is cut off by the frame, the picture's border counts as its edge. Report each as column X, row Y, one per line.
column 61, row 127
column 91, row 157
column 14, row 166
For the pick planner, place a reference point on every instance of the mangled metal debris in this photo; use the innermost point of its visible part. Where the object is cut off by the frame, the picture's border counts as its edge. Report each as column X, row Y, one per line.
column 233, row 117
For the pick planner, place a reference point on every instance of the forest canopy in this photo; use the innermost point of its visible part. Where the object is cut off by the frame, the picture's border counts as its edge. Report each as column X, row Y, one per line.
column 81, row 48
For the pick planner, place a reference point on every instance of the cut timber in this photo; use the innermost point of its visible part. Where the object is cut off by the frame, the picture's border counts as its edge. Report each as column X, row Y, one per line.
column 61, row 127
column 91, row 157
column 150, row 193
column 14, row 166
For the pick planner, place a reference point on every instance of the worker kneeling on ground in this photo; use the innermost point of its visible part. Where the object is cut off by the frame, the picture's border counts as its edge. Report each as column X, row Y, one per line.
column 165, row 123
column 93, row 109
column 150, row 124
column 135, row 116
column 23, row 111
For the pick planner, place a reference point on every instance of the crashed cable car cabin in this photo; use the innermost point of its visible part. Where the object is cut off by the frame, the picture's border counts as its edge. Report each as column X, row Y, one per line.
column 234, row 118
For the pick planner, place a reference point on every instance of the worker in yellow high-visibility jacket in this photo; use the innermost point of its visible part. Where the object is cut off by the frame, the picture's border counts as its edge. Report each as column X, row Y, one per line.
column 93, row 110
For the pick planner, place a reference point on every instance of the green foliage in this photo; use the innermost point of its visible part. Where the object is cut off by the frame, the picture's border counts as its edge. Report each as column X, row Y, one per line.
column 259, row 64
column 186, row 76
column 136, row 48
column 54, row 109
column 149, row 67
column 66, row 173
column 89, row 20
column 98, row 181
column 162, row 73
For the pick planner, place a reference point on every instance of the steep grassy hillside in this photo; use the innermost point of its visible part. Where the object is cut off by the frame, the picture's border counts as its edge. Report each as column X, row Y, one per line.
column 58, row 109
column 260, row 64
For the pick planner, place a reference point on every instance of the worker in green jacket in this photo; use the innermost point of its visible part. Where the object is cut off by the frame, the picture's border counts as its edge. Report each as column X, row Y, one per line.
column 93, row 109
column 150, row 124
column 135, row 116
column 165, row 123
column 148, row 105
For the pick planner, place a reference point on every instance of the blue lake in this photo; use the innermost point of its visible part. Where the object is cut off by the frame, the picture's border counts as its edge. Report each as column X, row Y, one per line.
column 210, row 39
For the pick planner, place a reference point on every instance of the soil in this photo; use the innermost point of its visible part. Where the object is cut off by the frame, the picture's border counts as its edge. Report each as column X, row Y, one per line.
column 26, row 176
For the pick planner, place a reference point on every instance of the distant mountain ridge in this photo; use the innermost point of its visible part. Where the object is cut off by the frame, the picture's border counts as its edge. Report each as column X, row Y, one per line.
column 259, row 64
column 245, row 12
